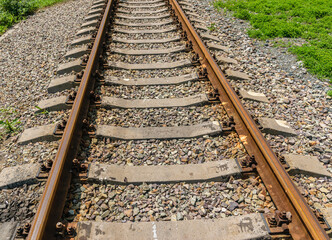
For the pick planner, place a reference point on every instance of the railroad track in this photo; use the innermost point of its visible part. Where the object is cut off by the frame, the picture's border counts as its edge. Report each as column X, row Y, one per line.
column 157, row 144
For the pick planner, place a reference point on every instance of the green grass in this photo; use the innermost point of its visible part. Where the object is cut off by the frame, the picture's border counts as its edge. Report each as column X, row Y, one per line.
column 13, row 11
column 307, row 19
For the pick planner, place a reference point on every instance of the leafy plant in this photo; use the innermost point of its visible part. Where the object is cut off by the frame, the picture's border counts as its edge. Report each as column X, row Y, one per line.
column 212, row 27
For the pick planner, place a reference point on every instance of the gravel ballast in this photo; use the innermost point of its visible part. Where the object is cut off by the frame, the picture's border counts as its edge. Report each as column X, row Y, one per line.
column 20, row 204
column 166, row 202
column 163, row 152
column 161, row 117
column 160, row 92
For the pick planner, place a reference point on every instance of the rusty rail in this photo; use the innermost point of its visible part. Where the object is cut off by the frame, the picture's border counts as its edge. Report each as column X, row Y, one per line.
column 53, row 199
column 284, row 193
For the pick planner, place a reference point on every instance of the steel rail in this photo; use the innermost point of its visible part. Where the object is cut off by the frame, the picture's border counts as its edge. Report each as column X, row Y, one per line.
column 284, row 193
column 53, row 199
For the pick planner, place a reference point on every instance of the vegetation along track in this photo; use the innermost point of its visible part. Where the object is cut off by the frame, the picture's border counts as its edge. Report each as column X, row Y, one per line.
column 157, row 144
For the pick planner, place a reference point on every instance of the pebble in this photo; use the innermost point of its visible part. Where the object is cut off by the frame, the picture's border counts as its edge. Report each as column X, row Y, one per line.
column 179, row 216
column 129, row 213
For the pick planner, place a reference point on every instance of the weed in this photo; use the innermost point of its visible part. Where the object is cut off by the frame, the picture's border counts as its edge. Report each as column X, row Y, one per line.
column 10, row 126
column 42, row 111
column 9, row 123
column 212, row 27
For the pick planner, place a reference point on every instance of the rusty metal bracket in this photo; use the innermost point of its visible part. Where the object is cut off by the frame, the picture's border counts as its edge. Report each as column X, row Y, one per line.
column 89, row 46
column 44, row 169
column 88, row 128
column 202, row 74
column 189, row 46
column 278, row 223
column 249, row 164
column 22, row 231
column 66, row 230
column 85, row 59
column 80, row 169
column 195, row 59
column 99, row 76
column 71, row 98
column 60, row 127
column 258, row 123
column 237, row 91
column 230, row 123
column 213, row 96
column 184, row 36
column 283, row 161
column 78, row 77
column 95, row 99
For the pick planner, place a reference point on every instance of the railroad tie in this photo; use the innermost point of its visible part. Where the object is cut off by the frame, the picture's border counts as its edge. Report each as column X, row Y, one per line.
column 148, row 31
column 111, row 80
column 113, row 102
column 146, row 41
column 149, row 66
column 149, row 51
column 198, row 130
column 124, row 16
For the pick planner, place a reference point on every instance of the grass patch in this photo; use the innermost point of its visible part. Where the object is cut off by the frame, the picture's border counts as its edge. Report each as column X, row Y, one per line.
column 309, row 20
column 13, row 11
